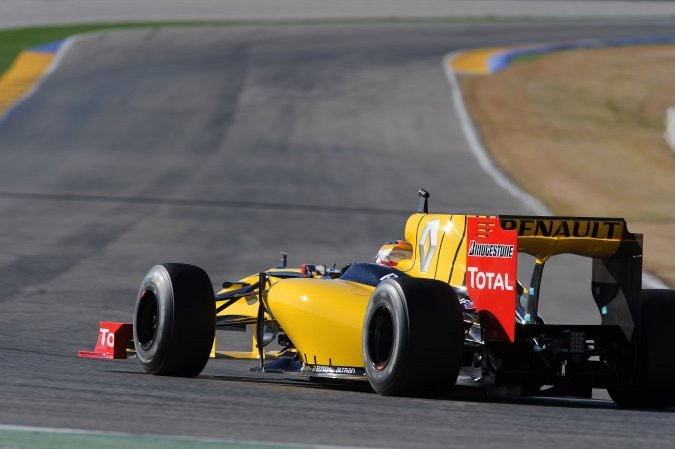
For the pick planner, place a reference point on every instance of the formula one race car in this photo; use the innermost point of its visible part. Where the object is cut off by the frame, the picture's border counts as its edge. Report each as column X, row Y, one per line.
column 409, row 322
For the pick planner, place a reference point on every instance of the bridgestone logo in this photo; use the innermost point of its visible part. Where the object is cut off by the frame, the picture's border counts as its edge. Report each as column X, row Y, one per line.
column 490, row 250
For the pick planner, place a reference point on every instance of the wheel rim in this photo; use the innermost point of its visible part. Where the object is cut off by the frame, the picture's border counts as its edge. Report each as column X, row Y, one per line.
column 148, row 317
column 380, row 338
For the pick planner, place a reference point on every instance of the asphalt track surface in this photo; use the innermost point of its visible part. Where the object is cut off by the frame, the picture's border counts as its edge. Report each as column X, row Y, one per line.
column 220, row 147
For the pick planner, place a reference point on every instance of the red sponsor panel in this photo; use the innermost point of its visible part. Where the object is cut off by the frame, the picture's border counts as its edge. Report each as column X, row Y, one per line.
column 491, row 275
column 112, row 341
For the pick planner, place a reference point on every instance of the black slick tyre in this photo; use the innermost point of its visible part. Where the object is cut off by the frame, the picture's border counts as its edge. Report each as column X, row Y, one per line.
column 413, row 337
column 174, row 320
column 647, row 375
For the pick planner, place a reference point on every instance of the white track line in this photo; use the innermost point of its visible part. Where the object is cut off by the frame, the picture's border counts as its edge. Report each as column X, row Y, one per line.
column 485, row 161
column 478, row 149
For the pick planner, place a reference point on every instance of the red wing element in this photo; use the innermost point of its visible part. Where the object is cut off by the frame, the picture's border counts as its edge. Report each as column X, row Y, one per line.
column 112, row 342
column 491, row 271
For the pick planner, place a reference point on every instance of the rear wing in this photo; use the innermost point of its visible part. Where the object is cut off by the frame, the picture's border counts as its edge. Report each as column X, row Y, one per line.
column 442, row 250
column 597, row 237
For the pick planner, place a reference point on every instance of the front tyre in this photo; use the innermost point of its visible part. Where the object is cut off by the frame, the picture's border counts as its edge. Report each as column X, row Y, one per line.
column 413, row 337
column 174, row 320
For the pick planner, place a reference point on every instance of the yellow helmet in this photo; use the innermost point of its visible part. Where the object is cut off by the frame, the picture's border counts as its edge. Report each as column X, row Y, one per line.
column 391, row 253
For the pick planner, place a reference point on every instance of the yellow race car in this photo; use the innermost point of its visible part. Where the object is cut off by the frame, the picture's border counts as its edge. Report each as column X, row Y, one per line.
column 443, row 299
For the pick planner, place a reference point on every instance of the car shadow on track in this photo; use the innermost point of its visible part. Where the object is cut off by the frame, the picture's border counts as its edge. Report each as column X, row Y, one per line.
column 560, row 402
column 457, row 393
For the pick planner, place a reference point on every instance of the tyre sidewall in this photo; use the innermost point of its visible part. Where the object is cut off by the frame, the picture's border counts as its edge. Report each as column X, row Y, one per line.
column 427, row 333
column 158, row 281
column 390, row 296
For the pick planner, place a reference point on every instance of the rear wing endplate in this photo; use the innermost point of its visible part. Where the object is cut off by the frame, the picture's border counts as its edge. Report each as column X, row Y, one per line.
column 491, row 274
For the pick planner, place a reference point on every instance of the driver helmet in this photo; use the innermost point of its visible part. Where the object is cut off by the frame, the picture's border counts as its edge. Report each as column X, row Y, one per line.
column 391, row 253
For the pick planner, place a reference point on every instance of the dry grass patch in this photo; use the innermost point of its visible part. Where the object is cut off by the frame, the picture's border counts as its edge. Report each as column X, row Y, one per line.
column 584, row 131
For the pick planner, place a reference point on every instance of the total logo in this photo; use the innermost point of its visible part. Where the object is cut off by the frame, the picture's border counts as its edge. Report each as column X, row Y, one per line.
column 107, row 337
column 488, row 280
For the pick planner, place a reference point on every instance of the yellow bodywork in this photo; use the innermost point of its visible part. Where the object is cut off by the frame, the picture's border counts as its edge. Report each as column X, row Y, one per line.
column 245, row 308
column 324, row 317
column 447, row 261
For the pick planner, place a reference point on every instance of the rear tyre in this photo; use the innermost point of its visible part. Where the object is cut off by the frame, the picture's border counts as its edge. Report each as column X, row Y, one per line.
column 413, row 337
column 174, row 320
column 647, row 376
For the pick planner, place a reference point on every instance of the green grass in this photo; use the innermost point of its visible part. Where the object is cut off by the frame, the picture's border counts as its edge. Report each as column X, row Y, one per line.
column 527, row 57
